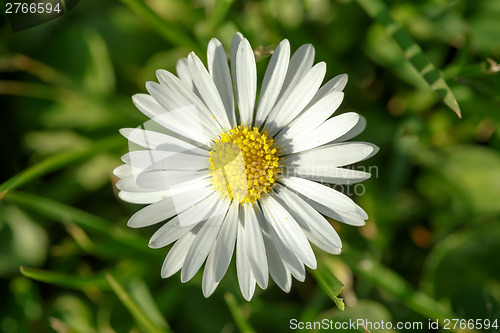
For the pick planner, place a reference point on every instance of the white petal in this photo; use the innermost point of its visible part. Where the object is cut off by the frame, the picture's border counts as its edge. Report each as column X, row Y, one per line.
column 148, row 106
column 129, row 184
column 288, row 108
column 308, row 218
column 143, row 197
column 321, row 244
column 256, row 251
column 224, row 245
column 184, row 222
column 183, row 95
column 235, row 42
column 293, row 264
column 243, row 268
column 209, row 284
column 219, row 69
column 123, row 171
column 166, row 208
column 185, row 121
column 204, row 242
column 278, row 270
column 337, row 84
column 273, row 81
column 165, row 160
column 327, row 201
column 288, row 230
column 353, row 132
column 246, row 78
column 330, row 130
column 333, row 155
column 300, row 63
column 159, row 141
column 130, row 191
column 331, row 175
column 183, row 73
column 313, row 116
column 207, row 89
column 177, row 254
column 166, row 180
column 146, row 181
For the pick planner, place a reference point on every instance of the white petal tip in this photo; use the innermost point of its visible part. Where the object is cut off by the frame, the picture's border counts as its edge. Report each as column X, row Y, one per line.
column 167, row 274
column 136, row 97
column 186, row 275
column 154, row 245
column 126, row 131
column 160, row 72
column 133, row 224
column 208, row 292
column 215, row 42
column 285, row 42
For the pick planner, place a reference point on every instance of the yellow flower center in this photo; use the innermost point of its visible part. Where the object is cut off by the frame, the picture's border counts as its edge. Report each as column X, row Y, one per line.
column 244, row 164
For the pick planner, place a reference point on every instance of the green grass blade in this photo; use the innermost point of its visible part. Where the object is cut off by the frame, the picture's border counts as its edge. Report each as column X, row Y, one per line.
column 58, row 161
column 328, row 282
column 392, row 283
column 135, row 310
column 66, row 280
column 412, row 52
column 169, row 31
column 219, row 13
column 61, row 212
column 141, row 293
column 42, row 71
column 239, row 318
column 99, row 76
column 34, row 90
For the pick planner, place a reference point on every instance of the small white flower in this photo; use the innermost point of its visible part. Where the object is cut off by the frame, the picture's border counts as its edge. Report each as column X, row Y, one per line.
column 247, row 179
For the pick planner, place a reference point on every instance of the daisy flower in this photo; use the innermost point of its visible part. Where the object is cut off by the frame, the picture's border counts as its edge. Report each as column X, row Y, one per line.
column 243, row 175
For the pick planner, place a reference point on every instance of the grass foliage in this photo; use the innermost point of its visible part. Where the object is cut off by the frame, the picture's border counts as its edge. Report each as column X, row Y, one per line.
column 68, row 263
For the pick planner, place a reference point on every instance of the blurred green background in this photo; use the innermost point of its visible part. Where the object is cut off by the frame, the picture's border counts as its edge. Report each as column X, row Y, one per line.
column 429, row 250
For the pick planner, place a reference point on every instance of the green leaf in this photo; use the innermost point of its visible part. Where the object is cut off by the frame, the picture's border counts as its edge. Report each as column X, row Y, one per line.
column 71, row 314
column 140, row 292
column 239, row 317
column 412, row 52
column 61, row 213
column 219, row 14
column 470, row 176
column 389, row 281
column 45, row 73
column 56, row 162
column 171, row 32
column 140, row 316
column 367, row 310
column 99, row 75
column 35, row 90
column 328, row 282
column 469, row 254
column 65, row 280
column 23, row 242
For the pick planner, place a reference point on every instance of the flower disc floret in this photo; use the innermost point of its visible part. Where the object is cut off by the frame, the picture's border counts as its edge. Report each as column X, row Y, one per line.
column 244, row 164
